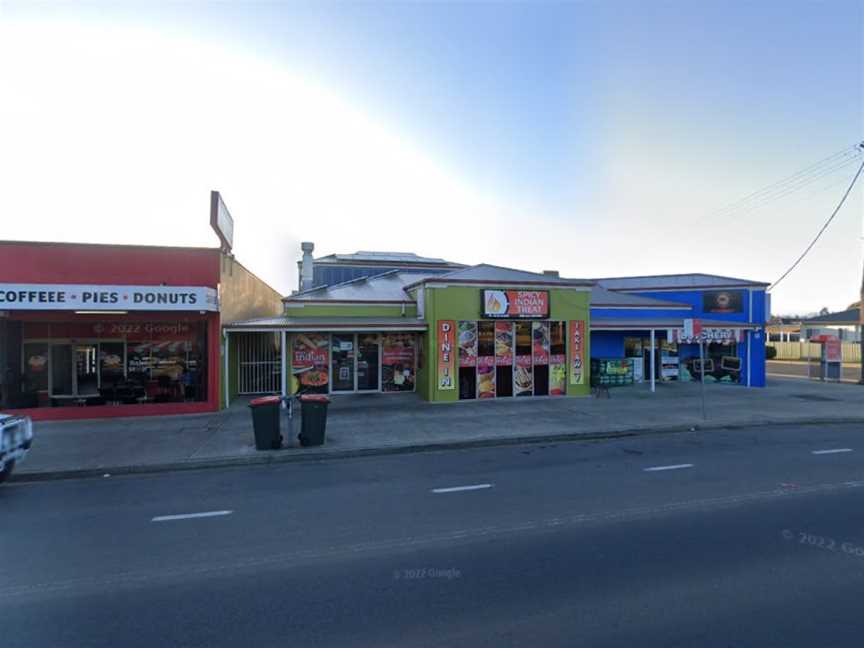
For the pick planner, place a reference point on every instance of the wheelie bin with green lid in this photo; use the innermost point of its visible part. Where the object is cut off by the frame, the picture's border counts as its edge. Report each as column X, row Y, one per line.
column 265, row 422
column 313, row 411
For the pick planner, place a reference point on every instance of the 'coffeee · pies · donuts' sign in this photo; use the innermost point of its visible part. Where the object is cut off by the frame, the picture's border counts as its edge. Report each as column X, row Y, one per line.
column 102, row 297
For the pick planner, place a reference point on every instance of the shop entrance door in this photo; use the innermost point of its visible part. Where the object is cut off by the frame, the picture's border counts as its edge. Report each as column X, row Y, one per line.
column 343, row 363
column 368, row 364
column 61, row 370
column 86, row 375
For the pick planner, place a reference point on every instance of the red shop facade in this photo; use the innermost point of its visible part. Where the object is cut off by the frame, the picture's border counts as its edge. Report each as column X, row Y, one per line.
column 89, row 331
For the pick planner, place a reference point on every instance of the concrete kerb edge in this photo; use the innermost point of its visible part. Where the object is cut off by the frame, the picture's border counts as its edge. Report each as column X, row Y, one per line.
column 312, row 455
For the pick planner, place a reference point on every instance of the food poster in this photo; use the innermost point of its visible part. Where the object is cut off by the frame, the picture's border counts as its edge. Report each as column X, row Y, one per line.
column 467, row 344
column 310, row 359
column 523, row 377
column 557, row 360
column 486, row 377
column 540, row 342
column 504, row 344
column 446, row 354
column 577, row 352
column 397, row 362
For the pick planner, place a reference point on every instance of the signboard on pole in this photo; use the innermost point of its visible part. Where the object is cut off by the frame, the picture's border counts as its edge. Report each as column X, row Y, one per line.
column 221, row 221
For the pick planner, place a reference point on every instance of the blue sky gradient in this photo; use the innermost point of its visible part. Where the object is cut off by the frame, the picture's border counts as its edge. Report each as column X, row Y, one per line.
column 621, row 127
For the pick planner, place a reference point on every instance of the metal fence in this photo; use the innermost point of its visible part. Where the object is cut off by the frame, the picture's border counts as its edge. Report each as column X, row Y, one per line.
column 259, row 356
column 813, row 350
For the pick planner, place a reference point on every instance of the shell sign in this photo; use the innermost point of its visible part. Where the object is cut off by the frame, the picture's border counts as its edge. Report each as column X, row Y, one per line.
column 516, row 304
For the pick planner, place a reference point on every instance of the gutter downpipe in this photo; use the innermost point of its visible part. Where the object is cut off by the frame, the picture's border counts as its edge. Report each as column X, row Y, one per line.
column 227, row 381
column 653, row 368
column 749, row 337
column 284, row 337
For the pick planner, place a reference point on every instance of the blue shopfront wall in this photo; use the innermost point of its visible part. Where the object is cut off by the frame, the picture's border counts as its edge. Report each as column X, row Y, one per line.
column 610, row 344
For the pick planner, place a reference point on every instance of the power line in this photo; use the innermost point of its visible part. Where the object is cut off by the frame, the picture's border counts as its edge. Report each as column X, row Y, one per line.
column 788, row 186
column 824, row 227
column 788, row 190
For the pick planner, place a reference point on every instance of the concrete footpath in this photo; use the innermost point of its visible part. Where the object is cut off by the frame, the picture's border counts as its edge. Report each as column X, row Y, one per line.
column 366, row 424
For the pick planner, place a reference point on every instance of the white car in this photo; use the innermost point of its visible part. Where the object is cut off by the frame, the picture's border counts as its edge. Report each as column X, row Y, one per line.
column 16, row 437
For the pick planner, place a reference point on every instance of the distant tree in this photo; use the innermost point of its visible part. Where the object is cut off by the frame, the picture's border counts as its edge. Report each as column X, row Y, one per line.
column 823, row 311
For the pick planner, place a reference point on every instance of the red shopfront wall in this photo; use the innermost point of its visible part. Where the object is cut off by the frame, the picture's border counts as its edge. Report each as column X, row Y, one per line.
column 154, row 409
column 79, row 263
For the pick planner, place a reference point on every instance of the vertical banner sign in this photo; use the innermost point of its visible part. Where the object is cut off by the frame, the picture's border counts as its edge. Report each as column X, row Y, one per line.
column 446, row 354
column 577, row 349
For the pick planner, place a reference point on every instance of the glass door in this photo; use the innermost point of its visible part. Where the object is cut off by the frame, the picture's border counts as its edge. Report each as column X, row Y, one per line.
column 86, row 375
column 368, row 363
column 342, row 354
column 61, row 370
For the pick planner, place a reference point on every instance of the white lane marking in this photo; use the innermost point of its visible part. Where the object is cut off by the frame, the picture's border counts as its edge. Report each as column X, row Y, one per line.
column 455, row 489
column 189, row 516
column 832, row 451
column 675, row 467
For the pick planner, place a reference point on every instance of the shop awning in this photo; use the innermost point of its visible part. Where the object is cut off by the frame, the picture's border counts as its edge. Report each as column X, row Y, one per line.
column 646, row 324
column 328, row 324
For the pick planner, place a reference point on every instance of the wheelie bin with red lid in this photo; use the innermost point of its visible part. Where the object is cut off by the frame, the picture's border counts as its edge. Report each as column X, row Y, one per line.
column 265, row 422
column 313, row 410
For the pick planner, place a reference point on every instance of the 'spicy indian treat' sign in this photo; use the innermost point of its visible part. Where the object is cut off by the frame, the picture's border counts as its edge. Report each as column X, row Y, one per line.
column 577, row 352
column 446, row 354
column 516, row 304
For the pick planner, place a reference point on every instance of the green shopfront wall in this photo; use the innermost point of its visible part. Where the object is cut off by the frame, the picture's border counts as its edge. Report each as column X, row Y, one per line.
column 463, row 303
column 348, row 310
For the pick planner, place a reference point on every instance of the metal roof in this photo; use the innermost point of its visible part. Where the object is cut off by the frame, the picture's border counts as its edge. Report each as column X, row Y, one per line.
column 384, row 257
column 683, row 281
column 346, row 324
column 601, row 297
column 385, row 287
column 851, row 316
column 487, row 273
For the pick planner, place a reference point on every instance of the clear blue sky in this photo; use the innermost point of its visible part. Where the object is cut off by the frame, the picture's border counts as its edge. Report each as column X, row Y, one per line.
column 620, row 127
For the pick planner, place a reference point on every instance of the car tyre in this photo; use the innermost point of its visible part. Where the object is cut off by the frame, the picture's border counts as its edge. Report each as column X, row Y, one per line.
column 7, row 471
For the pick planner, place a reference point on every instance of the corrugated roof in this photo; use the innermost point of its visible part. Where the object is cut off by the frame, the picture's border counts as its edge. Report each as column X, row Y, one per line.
column 852, row 316
column 385, row 287
column 685, row 281
column 384, row 257
column 601, row 297
column 487, row 273
column 332, row 323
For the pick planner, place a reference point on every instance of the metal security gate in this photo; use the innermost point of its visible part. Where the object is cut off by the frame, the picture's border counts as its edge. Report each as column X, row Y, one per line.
column 259, row 357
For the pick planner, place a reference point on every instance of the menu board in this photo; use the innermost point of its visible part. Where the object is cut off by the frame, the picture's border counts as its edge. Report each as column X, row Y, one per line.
column 486, row 377
column 516, row 304
column 446, row 354
column 540, row 342
column 310, row 359
column 467, row 344
column 577, row 349
column 503, row 344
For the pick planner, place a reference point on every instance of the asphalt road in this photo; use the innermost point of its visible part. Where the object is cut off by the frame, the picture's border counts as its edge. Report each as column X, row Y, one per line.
column 723, row 538
column 850, row 373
